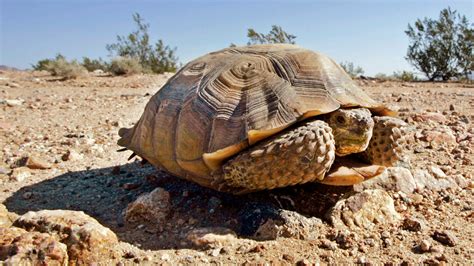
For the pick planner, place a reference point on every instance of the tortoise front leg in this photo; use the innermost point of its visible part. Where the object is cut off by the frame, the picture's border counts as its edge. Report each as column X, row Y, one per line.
column 390, row 142
column 297, row 156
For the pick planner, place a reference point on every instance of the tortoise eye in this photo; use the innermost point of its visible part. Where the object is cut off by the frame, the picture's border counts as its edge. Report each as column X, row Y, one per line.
column 340, row 119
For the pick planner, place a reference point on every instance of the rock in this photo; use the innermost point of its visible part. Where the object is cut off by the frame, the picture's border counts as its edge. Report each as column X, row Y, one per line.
column 439, row 137
column 289, row 224
column 20, row 174
column 429, row 116
column 445, row 237
column 212, row 237
column 424, row 245
column 392, row 179
column 6, row 217
column 13, row 85
column 86, row 239
column 363, row 209
column 152, row 207
column 346, row 239
column 4, row 171
column 19, row 247
column 414, row 224
column 327, row 244
column 72, row 155
column 425, row 180
column 34, row 162
column 438, row 173
column 11, row 102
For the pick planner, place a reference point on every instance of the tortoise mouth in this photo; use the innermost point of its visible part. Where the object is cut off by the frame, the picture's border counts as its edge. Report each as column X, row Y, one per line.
column 351, row 145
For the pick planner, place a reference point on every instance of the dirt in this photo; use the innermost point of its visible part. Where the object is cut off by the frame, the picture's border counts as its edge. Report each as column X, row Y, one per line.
column 72, row 125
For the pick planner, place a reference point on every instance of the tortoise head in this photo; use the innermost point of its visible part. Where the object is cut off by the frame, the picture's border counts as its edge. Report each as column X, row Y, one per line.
column 352, row 129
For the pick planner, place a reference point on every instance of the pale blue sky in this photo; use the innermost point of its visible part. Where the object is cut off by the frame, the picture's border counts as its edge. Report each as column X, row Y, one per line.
column 369, row 33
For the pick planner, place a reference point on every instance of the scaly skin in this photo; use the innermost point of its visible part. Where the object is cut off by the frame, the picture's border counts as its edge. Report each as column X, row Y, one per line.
column 297, row 156
column 390, row 142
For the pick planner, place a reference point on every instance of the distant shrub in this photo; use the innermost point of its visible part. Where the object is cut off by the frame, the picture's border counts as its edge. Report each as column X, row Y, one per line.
column 94, row 64
column 383, row 76
column 405, row 76
column 351, row 69
column 276, row 35
column 157, row 58
column 59, row 66
column 125, row 66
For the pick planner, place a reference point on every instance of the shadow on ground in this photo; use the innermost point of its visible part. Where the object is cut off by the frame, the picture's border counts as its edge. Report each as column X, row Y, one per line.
column 104, row 193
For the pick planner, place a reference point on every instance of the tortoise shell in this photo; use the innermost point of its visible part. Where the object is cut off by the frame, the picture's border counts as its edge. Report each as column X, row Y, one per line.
column 222, row 102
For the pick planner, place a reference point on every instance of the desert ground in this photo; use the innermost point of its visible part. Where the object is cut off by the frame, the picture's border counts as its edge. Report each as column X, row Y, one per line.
column 58, row 151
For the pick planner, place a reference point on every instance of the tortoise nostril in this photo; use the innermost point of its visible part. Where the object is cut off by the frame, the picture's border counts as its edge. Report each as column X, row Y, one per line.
column 340, row 119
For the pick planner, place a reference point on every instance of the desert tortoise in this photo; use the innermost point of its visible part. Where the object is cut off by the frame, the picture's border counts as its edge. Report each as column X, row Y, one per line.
column 265, row 116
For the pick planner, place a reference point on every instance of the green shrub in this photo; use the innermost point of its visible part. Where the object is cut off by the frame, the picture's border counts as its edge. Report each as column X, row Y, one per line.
column 94, row 64
column 125, row 66
column 442, row 49
column 351, row 69
column 157, row 58
column 405, row 76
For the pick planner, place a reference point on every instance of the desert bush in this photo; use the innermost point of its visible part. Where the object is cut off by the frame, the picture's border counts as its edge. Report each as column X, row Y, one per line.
column 404, row 76
column 383, row 76
column 443, row 48
column 94, row 64
column 125, row 66
column 276, row 35
column 351, row 69
column 59, row 66
column 157, row 58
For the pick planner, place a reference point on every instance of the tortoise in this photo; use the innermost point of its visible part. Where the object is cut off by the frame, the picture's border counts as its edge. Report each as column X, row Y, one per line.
column 259, row 117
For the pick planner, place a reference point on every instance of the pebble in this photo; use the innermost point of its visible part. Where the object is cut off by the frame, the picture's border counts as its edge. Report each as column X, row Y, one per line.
column 445, row 237
column 327, row 244
column 72, row 155
column 437, row 172
column 165, row 257
column 35, row 162
column 27, row 195
column 425, row 245
column 20, row 174
column 304, row 262
column 414, row 224
column 437, row 249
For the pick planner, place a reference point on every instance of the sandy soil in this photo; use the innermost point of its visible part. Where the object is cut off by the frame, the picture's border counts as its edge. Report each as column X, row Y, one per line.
column 54, row 118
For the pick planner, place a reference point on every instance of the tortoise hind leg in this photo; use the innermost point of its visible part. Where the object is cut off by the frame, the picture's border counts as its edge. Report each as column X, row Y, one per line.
column 297, row 156
column 390, row 142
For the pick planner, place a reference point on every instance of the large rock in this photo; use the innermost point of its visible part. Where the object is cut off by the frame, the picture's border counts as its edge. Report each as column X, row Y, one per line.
column 392, row 179
column 86, row 239
column 19, row 247
column 150, row 207
column 363, row 209
column 435, row 179
column 289, row 224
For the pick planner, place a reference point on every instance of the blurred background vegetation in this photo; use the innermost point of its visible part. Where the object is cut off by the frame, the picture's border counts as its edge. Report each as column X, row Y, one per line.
column 439, row 50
